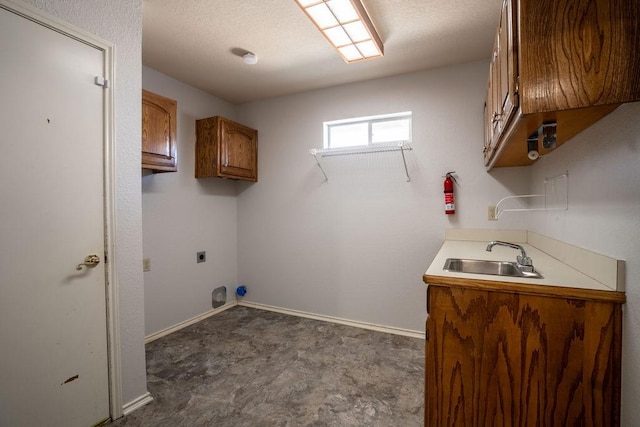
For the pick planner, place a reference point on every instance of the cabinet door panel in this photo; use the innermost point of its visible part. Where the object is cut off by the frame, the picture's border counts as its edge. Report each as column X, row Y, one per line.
column 238, row 152
column 156, row 135
column 508, row 73
column 158, row 132
column 486, row 149
column 496, row 93
column 498, row 358
column 491, row 110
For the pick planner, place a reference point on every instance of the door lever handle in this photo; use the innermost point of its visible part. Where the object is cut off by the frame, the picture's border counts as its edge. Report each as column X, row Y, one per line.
column 90, row 261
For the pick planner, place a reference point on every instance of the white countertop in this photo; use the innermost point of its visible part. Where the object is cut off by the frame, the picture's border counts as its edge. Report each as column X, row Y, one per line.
column 554, row 272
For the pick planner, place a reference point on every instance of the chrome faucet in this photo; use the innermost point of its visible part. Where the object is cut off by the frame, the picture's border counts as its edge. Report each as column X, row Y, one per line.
column 524, row 262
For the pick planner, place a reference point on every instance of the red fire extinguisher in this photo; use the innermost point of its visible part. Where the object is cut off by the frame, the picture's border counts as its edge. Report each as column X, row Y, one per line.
column 449, row 203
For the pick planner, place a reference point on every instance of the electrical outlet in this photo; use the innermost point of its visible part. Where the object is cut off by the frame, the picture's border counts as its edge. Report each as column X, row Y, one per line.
column 201, row 257
column 146, row 264
column 491, row 213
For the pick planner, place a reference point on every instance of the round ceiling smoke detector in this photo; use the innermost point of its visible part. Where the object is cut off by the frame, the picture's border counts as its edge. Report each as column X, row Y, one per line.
column 250, row 58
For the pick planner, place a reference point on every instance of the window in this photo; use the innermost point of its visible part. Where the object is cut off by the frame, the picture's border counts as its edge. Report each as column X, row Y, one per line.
column 368, row 131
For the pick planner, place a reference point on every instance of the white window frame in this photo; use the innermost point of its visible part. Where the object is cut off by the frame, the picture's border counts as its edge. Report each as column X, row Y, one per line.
column 370, row 120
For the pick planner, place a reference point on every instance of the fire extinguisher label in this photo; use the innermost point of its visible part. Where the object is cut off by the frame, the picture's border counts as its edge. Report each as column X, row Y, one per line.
column 449, row 205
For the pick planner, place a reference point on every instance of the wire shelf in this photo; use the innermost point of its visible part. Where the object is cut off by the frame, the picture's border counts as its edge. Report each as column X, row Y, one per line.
column 401, row 146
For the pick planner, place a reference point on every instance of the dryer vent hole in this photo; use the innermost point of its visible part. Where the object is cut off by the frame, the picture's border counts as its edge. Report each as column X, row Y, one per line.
column 219, row 297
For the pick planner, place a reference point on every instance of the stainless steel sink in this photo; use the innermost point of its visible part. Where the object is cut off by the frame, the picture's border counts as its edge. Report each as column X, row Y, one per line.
column 496, row 268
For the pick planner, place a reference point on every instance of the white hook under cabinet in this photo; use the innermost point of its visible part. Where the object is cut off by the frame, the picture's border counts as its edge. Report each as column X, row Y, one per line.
column 555, row 197
column 401, row 146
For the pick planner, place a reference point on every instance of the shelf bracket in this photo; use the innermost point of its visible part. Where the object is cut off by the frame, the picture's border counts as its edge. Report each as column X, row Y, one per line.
column 404, row 161
column 315, row 156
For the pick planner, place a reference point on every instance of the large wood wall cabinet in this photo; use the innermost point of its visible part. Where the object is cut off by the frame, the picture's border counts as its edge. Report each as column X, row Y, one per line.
column 226, row 149
column 566, row 63
column 159, row 133
column 515, row 355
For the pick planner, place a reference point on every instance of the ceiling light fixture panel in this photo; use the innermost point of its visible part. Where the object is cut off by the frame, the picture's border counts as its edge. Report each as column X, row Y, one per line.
column 347, row 26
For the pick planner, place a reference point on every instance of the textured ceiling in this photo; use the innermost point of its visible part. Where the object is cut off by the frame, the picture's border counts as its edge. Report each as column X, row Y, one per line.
column 200, row 42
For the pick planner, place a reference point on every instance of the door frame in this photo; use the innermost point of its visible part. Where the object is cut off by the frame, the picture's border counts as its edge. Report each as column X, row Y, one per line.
column 109, row 173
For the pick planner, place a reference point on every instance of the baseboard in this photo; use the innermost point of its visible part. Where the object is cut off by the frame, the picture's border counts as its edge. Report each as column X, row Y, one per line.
column 347, row 322
column 355, row 323
column 137, row 403
column 171, row 329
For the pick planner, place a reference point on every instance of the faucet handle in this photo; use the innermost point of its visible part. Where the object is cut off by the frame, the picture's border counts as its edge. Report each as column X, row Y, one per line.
column 524, row 260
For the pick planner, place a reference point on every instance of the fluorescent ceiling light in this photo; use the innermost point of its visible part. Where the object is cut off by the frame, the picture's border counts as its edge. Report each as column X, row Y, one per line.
column 350, row 53
column 343, row 10
column 367, row 48
column 337, row 36
column 357, row 31
column 346, row 25
column 322, row 16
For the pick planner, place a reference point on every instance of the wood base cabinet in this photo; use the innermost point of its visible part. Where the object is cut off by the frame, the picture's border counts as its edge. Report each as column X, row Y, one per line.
column 497, row 358
column 226, row 149
column 159, row 133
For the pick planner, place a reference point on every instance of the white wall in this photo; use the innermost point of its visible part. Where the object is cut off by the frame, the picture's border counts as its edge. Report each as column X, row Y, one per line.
column 604, row 216
column 121, row 23
column 182, row 215
column 356, row 247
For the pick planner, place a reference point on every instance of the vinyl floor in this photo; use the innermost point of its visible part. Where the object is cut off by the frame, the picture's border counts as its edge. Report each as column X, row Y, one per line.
column 250, row 367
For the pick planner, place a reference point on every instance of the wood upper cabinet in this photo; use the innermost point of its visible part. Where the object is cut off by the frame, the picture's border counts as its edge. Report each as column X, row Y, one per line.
column 226, row 149
column 501, row 100
column 566, row 62
column 521, row 359
column 158, row 133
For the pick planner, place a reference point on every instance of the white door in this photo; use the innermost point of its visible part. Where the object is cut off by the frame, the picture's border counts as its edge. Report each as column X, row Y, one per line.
column 53, row 332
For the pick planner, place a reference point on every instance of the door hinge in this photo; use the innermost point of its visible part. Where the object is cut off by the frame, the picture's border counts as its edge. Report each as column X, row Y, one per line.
column 101, row 81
